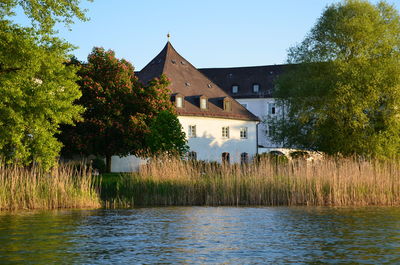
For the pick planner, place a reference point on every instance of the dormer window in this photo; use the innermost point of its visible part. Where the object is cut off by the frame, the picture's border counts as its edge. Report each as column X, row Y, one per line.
column 179, row 99
column 203, row 103
column 256, row 88
column 227, row 104
column 235, row 89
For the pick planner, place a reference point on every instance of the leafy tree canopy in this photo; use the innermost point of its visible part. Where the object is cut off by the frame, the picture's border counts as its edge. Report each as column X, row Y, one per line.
column 37, row 90
column 120, row 111
column 37, row 87
column 342, row 91
column 166, row 135
column 44, row 14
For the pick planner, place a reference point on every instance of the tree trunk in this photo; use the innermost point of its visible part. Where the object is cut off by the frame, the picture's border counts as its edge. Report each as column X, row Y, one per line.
column 108, row 163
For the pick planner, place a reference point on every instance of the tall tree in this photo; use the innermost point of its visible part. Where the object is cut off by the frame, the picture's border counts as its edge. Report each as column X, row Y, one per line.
column 37, row 92
column 119, row 109
column 342, row 93
column 37, row 88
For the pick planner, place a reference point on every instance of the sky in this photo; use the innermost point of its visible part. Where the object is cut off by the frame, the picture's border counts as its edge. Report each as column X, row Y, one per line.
column 208, row 33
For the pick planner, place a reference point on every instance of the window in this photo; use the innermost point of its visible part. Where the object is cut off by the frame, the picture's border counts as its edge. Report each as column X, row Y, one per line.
column 235, row 89
column 271, row 108
column 243, row 133
column 227, row 104
column 192, row 131
column 203, row 103
column 225, row 132
column 179, row 101
column 225, row 157
column 192, row 155
column 256, row 88
column 244, row 158
column 270, row 131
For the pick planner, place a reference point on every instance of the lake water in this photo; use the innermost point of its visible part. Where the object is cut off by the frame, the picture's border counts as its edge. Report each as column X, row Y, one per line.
column 215, row 235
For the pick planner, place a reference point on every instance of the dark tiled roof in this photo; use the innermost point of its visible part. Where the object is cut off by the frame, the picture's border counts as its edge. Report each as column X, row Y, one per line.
column 245, row 78
column 189, row 82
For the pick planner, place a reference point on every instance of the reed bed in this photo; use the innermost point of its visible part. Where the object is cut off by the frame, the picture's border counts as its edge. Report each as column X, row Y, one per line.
column 328, row 182
column 63, row 187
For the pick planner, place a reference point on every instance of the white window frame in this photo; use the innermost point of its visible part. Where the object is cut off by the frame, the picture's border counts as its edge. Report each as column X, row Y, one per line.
column 235, row 89
column 272, row 108
column 256, row 88
column 225, row 132
column 192, row 155
column 243, row 133
column 192, row 131
column 203, row 103
column 179, row 102
column 244, row 158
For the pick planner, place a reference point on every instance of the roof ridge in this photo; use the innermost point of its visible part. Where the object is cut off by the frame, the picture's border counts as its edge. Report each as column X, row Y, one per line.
column 241, row 67
column 189, row 81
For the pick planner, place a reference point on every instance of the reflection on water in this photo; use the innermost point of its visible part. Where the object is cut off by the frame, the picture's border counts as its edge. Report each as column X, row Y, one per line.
column 203, row 235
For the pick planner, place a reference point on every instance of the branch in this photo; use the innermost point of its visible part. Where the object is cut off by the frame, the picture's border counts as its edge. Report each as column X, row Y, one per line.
column 8, row 70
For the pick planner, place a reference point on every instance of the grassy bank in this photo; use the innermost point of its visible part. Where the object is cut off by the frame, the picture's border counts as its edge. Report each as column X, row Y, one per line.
column 63, row 187
column 343, row 182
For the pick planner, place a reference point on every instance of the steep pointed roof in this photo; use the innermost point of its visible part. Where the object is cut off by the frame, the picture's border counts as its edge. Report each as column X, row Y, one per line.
column 186, row 80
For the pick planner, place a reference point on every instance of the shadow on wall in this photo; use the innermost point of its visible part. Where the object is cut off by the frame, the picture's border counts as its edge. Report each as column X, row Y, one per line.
column 206, row 147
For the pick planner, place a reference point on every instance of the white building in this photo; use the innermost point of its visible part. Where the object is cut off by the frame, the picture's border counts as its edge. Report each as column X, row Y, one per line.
column 217, row 126
column 252, row 87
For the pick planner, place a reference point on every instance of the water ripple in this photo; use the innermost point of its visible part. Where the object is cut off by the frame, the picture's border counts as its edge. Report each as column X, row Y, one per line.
column 198, row 235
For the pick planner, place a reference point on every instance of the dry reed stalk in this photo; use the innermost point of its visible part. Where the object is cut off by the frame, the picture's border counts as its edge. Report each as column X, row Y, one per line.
column 330, row 181
column 63, row 187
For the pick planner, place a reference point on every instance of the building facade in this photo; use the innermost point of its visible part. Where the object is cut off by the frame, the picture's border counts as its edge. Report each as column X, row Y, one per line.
column 217, row 126
column 253, row 87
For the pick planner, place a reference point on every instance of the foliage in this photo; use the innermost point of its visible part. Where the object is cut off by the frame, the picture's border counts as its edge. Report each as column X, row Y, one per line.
column 166, row 135
column 99, row 164
column 44, row 14
column 273, row 156
column 299, row 155
column 37, row 87
column 342, row 92
column 37, row 92
column 120, row 110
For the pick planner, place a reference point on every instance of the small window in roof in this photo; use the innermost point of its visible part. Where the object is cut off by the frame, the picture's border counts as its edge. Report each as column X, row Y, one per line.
column 182, row 62
column 203, row 103
column 235, row 89
column 173, row 61
column 209, row 86
column 179, row 101
column 187, row 84
column 227, row 104
column 256, row 88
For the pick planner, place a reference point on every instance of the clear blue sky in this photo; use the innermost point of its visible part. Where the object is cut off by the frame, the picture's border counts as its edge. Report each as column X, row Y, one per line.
column 208, row 33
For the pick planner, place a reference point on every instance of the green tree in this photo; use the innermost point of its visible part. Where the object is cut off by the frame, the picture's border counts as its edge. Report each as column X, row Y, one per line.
column 341, row 93
column 44, row 14
column 120, row 111
column 37, row 92
column 37, row 87
column 166, row 135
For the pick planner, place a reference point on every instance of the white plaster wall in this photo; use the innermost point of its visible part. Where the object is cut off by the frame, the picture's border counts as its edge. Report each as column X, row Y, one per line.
column 209, row 143
column 260, row 107
column 126, row 163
